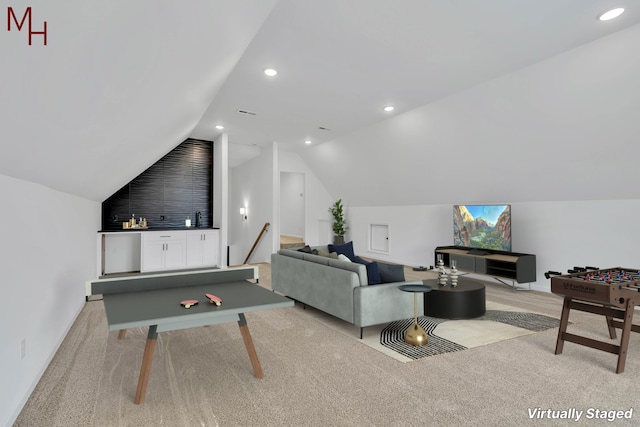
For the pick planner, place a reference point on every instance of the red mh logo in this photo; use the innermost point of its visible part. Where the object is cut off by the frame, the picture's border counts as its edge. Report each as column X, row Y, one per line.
column 26, row 17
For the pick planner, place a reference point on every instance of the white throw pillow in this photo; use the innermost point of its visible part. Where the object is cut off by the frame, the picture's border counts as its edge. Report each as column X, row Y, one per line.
column 343, row 257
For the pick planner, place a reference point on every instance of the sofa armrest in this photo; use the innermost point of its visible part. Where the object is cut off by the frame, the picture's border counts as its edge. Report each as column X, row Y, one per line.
column 384, row 303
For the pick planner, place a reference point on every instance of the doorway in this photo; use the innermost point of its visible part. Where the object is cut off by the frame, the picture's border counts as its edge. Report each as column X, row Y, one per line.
column 292, row 209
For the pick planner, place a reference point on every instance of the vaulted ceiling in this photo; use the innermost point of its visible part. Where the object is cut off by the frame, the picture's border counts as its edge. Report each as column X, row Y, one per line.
column 121, row 83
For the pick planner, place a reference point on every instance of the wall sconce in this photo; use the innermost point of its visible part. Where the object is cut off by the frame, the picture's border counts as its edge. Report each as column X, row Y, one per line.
column 243, row 214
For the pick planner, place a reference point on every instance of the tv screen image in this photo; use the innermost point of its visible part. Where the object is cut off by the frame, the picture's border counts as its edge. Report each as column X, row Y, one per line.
column 482, row 226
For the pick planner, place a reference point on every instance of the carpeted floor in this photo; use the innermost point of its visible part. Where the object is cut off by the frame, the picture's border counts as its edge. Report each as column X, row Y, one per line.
column 321, row 374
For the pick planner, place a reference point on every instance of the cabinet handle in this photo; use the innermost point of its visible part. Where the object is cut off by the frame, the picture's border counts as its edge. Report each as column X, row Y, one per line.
column 165, row 236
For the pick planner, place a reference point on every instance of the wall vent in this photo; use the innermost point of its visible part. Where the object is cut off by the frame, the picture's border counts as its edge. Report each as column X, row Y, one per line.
column 250, row 113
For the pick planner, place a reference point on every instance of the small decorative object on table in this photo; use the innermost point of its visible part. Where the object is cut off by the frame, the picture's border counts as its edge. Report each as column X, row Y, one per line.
column 454, row 274
column 442, row 273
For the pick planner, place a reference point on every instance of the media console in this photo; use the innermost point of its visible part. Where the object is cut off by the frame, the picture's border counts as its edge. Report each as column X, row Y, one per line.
column 517, row 267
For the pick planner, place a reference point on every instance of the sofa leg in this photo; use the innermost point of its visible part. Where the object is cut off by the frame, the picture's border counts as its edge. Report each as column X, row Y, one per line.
column 361, row 332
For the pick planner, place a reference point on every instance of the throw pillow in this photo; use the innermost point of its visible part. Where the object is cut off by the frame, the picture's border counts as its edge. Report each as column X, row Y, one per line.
column 345, row 249
column 390, row 273
column 306, row 249
column 373, row 275
column 343, row 257
column 327, row 254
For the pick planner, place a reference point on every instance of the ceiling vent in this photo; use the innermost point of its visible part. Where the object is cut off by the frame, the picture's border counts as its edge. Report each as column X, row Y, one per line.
column 250, row 113
column 323, row 128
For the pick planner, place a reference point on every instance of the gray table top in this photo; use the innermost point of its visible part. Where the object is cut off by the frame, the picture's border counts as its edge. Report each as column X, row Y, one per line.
column 162, row 307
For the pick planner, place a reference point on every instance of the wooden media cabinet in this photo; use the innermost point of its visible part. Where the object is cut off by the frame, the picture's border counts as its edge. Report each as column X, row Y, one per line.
column 513, row 266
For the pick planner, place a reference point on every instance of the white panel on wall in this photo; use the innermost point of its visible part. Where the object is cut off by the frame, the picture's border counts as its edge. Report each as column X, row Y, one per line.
column 292, row 212
column 379, row 238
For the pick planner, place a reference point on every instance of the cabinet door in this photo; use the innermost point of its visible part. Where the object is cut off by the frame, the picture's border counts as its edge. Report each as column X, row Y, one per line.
column 211, row 248
column 203, row 248
column 463, row 262
column 163, row 250
column 152, row 255
column 194, row 249
column 175, row 253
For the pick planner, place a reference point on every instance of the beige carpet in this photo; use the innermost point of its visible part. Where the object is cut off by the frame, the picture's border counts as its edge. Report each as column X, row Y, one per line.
column 316, row 375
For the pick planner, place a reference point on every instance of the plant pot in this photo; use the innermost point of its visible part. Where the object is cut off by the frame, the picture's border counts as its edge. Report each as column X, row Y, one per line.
column 338, row 240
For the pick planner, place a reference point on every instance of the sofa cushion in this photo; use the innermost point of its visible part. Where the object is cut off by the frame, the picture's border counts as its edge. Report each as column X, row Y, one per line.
column 316, row 258
column 359, row 269
column 390, row 273
column 292, row 253
column 345, row 249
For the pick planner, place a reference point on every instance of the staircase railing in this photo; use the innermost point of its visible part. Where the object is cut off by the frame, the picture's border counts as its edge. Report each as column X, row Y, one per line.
column 264, row 230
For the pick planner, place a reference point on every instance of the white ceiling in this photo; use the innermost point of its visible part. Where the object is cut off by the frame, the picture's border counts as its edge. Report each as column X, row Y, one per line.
column 340, row 62
column 121, row 83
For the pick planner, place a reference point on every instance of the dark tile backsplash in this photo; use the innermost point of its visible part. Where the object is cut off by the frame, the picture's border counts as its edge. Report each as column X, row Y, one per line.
column 178, row 185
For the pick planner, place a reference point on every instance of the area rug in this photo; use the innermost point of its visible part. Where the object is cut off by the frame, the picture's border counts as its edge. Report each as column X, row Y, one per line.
column 446, row 336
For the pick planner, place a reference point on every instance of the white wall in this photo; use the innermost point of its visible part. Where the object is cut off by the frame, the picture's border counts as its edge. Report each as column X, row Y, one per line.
column 317, row 200
column 48, row 250
column 256, row 185
column 221, row 192
column 562, row 235
column 251, row 186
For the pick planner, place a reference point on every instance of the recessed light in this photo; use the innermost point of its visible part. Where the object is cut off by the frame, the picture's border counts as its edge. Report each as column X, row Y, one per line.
column 270, row 72
column 219, row 127
column 308, row 141
column 611, row 14
column 389, row 108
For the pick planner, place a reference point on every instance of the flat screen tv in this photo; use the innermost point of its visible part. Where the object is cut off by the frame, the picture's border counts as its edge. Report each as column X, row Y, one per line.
column 482, row 226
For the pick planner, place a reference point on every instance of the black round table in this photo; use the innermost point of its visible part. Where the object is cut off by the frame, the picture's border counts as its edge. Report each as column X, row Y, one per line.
column 465, row 301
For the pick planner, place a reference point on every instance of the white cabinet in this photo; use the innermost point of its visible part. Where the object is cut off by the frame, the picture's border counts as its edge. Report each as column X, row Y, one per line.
column 203, row 248
column 163, row 250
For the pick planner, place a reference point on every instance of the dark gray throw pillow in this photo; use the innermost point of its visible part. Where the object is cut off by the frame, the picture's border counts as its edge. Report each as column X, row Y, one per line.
column 390, row 273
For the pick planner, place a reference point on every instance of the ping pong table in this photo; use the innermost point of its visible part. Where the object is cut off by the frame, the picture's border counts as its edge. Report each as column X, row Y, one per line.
column 154, row 302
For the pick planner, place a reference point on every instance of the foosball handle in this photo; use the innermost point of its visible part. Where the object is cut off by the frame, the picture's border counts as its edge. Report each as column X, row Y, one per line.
column 552, row 273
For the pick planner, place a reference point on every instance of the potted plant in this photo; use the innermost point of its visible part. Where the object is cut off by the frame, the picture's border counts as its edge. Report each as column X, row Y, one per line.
column 339, row 224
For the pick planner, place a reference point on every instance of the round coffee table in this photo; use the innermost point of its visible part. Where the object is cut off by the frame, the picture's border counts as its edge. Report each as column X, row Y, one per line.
column 465, row 301
column 415, row 335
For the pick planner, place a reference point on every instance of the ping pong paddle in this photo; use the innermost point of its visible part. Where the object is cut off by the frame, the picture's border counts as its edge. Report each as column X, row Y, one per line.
column 214, row 299
column 188, row 303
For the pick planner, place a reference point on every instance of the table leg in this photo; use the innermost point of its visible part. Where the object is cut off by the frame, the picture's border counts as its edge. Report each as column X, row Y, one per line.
column 122, row 333
column 564, row 321
column 415, row 335
column 624, row 339
column 248, row 343
column 145, row 369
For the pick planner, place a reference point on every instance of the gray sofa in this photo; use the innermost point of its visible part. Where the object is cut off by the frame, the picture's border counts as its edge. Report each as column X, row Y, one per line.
column 340, row 288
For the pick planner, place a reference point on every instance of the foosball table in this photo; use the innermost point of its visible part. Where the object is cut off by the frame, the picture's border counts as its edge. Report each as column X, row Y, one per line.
column 612, row 293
